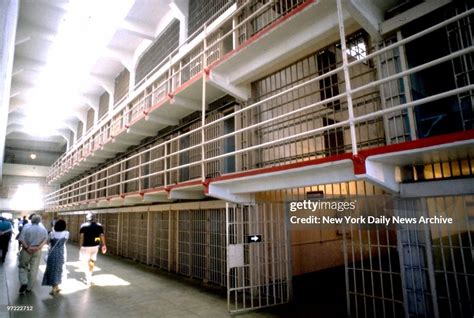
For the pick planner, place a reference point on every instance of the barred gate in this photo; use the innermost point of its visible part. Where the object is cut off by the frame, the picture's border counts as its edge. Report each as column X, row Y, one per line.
column 258, row 262
column 411, row 270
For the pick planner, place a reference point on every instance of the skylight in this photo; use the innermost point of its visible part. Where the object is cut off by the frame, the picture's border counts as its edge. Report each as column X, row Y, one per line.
column 87, row 28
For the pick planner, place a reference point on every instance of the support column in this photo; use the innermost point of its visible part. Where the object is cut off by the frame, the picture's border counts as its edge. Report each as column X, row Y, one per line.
column 347, row 79
column 416, row 261
column 203, row 109
column 9, row 11
column 407, row 88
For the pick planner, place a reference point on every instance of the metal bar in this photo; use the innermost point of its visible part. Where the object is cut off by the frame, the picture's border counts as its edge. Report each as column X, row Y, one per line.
column 347, row 80
column 430, row 264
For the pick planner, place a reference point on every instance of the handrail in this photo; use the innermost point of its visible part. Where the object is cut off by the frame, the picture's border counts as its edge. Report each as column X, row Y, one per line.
column 123, row 107
column 125, row 97
column 321, row 129
column 344, row 123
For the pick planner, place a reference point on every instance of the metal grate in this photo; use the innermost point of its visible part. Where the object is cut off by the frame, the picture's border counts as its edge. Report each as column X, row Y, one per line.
column 163, row 46
column 414, row 269
column 201, row 11
column 258, row 274
column 103, row 104
column 121, row 86
column 161, row 242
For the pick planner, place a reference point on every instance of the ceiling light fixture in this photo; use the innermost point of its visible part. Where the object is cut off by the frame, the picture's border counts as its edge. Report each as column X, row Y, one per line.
column 33, row 156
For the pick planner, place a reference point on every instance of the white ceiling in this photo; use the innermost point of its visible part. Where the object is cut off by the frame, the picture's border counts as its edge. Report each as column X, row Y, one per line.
column 38, row 30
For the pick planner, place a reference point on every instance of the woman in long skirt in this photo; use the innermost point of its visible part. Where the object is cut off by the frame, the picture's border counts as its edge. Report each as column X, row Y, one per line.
column 56, row 256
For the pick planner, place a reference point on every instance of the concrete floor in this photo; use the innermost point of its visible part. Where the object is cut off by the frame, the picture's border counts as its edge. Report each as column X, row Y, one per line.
column 120, row 288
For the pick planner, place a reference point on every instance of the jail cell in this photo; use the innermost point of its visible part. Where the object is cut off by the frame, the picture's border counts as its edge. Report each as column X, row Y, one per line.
column 198, row 241
column 227, row 164
column 173, row 160
column 73, row 226
column 258, row 272
column 368, row 133
column 113, row 179
column 101, row 218
column 264, row 18
column 64, row 197
column 308, row 147
column 117, row 124
column 159, row 89
column 412, row 269
column 83, row 190
column 144, row 169
column 216, row 243
column 111, row 229
column 160, row 232
column 453, row 254
column 248, row 159
column 193, row 155
column 215, row 46
column 124, row 236
column 393, row 93
column 213, row 168
column 156, row 165
column 191, row 65
column 460, row 37
column 131, row 183
column 184, row 243
column 91, row 187
column 137, row 236
column 174, row 240
column 454, row 168
column 101, row 185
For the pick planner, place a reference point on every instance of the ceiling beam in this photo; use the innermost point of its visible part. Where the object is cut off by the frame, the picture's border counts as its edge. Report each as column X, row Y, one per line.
column 367, row 14
column 105, row 82
column 123, row 56
column 139, row 29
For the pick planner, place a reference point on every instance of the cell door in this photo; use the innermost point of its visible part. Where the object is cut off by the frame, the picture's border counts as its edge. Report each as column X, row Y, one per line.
column 258, row 262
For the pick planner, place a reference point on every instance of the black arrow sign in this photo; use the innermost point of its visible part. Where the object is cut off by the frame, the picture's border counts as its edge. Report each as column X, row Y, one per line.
column 255, row 238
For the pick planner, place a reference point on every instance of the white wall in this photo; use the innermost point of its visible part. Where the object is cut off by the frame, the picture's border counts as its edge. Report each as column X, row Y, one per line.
column 11, row 185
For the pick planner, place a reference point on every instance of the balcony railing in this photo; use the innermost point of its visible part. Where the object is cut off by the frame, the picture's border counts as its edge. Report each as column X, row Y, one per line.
column 174, row 71
column 355, row 112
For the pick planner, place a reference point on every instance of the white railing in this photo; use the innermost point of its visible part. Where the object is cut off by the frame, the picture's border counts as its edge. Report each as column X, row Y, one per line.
column 88, row 188
column 139, row 87
column 119, row 120
column 81, row 189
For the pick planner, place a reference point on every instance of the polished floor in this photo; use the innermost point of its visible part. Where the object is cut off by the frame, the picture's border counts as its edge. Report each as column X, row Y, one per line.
column 124, row 288
column 120, row 288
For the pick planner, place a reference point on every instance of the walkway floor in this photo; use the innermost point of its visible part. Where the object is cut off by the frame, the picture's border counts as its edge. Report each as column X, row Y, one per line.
column 120, row 289
column 124, row 288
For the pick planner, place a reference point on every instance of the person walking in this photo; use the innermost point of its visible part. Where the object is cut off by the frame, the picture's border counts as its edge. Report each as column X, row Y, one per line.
column 56, row 256
column 5, row 236
column 91, row 237
column 32, row 239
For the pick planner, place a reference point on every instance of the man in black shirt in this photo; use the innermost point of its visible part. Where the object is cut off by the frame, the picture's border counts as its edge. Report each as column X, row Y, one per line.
column 91, row 237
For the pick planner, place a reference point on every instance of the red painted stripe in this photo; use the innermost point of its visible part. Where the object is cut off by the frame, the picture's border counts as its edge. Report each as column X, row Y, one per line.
column 283, row 167
column 187, row 83
column 358, row 161
column 184, row 184
column 420, row 143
